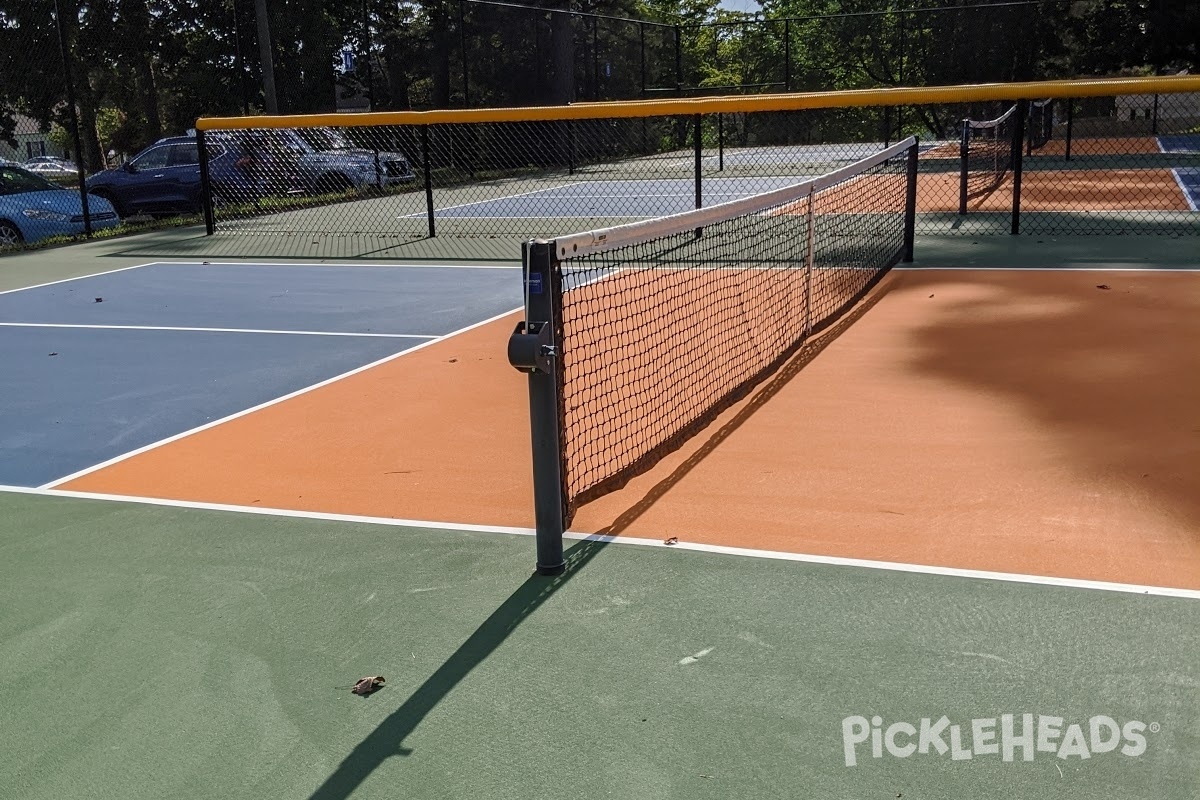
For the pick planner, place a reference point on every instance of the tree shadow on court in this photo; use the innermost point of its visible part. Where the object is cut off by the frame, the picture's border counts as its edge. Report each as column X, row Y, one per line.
column 387, row 740
column 710, row 441
column 1107, row 363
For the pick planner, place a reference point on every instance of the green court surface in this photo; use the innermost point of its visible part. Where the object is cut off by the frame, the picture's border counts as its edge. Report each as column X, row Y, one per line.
column 154, row 652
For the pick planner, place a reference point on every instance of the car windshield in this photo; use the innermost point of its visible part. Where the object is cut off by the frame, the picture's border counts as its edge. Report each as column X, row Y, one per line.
column 16, row 181
column 326, row 139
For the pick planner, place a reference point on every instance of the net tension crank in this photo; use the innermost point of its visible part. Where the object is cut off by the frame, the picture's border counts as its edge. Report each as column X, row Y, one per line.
column 530, row 348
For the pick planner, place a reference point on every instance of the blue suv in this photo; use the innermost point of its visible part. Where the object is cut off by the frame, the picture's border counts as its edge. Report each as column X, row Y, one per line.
column 164, row 178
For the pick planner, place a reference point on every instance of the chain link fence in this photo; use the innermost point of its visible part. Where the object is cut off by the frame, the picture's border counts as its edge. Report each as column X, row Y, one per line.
column 1112, row 165
column 103, row 96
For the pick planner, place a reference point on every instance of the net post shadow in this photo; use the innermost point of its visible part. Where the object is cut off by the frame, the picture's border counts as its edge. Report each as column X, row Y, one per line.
column 387, row 739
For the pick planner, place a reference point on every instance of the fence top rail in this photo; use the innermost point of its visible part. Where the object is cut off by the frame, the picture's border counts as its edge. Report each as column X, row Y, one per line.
column 894, row 96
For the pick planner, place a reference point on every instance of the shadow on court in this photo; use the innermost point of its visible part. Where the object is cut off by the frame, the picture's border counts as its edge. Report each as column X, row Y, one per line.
column 761, row 396
column 388, row 739
column 1105, row 363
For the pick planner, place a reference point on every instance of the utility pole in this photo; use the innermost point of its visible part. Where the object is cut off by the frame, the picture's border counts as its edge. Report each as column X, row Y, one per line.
column 264, row 54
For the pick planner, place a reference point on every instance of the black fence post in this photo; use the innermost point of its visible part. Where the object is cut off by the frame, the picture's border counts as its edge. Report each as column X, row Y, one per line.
column 698, row 153
column 1154, row 123
column 964, row 167
column 570, row 124
column 787, row 55
column 462, row 45
column 366, row 21
column 595, row 58
column 426, row 168
column 910, row 203
column 1070, row 122
column 678, row 63
column 75, row 134
column 720, row 142
column 206, row 200
column 1018, row 139
column 642, row 50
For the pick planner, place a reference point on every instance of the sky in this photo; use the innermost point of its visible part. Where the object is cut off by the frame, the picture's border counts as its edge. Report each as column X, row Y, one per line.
column 741, row 5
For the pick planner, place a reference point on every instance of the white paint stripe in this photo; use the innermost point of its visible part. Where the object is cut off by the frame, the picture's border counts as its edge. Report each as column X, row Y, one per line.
column 931, row 268
column 212, row 330
column 256, row 264
column 342, row 264
column 1187, row 196
column 269, row 403
column 80, row 277
column 837, row 561
column 495, row 199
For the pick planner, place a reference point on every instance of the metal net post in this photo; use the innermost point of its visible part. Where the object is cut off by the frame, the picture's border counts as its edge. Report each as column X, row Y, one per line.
column 533, row 349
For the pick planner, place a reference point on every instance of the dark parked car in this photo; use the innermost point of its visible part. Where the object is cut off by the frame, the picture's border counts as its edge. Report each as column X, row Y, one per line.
column 164, row 178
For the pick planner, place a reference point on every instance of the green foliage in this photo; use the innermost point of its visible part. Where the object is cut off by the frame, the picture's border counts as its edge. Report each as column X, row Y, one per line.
column 147, row 68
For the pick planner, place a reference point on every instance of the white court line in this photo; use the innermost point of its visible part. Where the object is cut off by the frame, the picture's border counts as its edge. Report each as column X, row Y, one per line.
column 335, row 264
column 933, row 268
column 213, row 330
column 81, row 277
column 493, row 199
column 267, row 404
column 745, row 552
column 1187, row 195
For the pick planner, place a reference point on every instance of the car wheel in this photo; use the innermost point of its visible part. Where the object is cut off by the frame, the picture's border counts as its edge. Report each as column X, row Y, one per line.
column 334, row 182
column 10, row 235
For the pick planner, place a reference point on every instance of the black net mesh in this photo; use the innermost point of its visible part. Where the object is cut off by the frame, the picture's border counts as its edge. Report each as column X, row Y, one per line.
column 986, row 152
column 661, row 333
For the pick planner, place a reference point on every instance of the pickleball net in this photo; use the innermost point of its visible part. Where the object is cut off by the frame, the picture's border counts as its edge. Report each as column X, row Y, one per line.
column 986, row 154
column 652, row 329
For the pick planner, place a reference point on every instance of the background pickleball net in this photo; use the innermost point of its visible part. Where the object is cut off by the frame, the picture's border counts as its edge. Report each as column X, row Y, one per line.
column 663, row 324
column 987, row 152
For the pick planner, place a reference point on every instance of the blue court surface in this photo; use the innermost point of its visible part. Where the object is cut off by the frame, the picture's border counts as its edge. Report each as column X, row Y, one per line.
column 170, row 347
column 819, row 154
column 1188, row 179
column 1180, row 143
column 633, row 199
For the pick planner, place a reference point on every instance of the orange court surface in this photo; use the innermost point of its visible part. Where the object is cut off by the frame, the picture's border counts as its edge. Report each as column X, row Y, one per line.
column 1032, row 421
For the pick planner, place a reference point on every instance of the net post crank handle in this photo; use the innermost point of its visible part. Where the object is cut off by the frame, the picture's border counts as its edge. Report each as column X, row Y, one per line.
column 530, row 348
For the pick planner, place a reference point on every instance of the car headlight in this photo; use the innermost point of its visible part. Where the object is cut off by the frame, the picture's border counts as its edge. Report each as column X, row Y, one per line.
column 45, row 214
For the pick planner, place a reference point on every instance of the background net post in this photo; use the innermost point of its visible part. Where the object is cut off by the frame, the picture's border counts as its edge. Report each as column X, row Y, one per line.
column 698, row 156
column 1018, row 150
column 910, row 203
column 533, row 350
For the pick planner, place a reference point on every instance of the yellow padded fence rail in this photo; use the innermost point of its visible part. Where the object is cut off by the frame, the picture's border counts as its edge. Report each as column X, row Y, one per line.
column 897, row 96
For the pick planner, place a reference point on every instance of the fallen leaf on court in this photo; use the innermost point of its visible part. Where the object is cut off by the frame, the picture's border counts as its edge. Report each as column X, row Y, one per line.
column 672, row 540
column 369, row 684
column 454, row 361
column 54, row 354
column 1103, row 286
column 99, row 299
